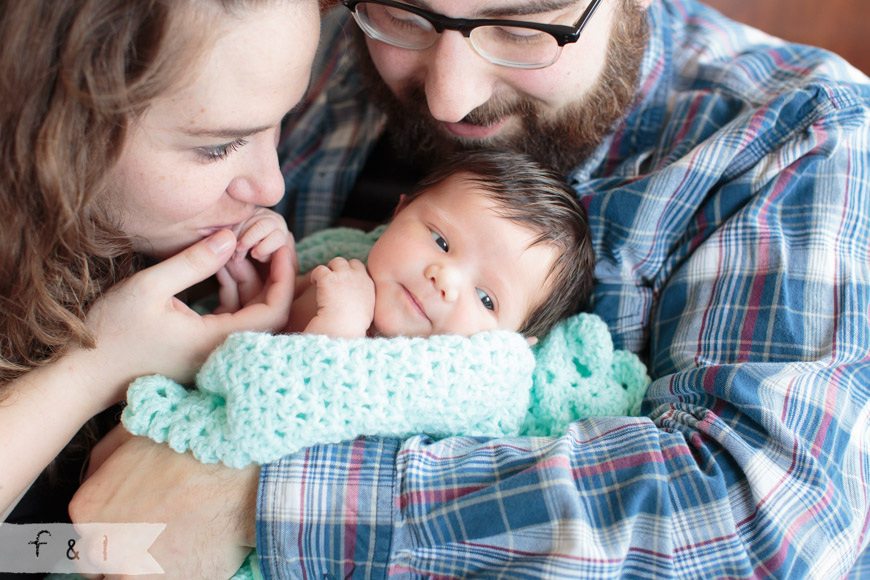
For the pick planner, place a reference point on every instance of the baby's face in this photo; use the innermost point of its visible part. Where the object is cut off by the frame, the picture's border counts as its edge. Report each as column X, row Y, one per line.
column 449, row 264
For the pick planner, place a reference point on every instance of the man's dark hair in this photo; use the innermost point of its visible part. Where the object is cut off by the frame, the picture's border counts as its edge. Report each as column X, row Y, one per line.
column 541, row 201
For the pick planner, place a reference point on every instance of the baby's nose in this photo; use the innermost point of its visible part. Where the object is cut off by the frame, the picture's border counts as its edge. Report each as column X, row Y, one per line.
column 445, row 279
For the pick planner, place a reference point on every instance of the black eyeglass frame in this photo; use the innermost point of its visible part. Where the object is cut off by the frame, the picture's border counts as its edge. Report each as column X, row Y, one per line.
column 563, row 34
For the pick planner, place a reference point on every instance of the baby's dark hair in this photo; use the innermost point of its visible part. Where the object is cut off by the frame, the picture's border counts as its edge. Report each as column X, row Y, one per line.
column 541, row 201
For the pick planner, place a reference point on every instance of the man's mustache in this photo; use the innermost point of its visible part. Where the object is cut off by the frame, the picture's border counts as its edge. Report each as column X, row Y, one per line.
column 489, row 113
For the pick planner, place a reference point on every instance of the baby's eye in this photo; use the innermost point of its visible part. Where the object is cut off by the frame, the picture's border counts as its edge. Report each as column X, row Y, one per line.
column 442, row 243
column 485, row 299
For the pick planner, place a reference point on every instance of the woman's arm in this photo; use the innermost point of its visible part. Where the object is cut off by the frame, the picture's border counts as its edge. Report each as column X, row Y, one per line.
column 40, row 412
column 140, row 328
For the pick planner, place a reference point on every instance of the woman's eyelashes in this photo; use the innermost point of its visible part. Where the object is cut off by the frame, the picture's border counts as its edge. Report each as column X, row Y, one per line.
column 220, row 152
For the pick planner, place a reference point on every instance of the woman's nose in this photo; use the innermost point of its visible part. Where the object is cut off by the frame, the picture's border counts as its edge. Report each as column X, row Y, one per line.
column 447, row 280
column 260, row 182
column 457, row 79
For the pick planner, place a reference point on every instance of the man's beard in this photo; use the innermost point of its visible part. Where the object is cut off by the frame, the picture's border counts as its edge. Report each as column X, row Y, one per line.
column 561, row 142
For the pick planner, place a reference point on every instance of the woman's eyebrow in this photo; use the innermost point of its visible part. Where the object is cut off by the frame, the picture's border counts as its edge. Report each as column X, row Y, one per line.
column 519, row 9
column 224, row 132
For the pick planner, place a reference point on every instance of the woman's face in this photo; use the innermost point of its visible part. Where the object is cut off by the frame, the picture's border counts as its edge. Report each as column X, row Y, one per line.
column 202, row 158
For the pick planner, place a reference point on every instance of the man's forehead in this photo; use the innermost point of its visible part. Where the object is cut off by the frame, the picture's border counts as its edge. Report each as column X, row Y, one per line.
column 492, row 8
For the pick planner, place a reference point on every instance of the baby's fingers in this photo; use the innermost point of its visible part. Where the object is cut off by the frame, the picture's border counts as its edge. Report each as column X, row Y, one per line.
column 247, row 280
column 357, row 265
column 260, row 227
column 319, row 273
column 263, row 251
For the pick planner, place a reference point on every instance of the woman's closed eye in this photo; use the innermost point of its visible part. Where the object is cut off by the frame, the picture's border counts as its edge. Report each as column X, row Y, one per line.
column 220, row 152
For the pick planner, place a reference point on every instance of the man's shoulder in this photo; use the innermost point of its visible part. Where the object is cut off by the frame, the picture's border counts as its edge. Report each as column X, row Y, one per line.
column 724, row 84
column 335, row 63
column 714, row 53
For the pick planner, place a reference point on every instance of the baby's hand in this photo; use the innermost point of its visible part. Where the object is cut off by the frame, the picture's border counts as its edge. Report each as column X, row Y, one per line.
column 345, row 299
column 262, row 234
column 241, row 280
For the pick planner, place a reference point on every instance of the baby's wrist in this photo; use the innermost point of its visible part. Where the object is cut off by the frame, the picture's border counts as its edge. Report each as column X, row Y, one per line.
column 336, row 325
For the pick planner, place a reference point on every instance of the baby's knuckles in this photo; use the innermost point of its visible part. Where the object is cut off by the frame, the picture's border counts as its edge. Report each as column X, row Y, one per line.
column 345, row 296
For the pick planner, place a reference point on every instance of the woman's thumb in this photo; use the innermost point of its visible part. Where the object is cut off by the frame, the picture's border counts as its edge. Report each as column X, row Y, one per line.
column 196, row 263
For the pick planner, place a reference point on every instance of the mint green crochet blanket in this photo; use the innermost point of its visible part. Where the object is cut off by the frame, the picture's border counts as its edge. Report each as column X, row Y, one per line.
column 260, row 397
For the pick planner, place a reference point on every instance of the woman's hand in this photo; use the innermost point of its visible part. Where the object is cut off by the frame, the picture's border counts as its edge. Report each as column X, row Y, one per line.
column 141, row 328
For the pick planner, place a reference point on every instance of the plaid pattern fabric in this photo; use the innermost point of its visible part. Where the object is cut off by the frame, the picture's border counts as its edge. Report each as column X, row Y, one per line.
column 731, row 218
column 326, row 138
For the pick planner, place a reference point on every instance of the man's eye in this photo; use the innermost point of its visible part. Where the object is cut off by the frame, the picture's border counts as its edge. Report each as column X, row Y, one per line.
column 485, row 299
column 442, row 243
column 219, row 152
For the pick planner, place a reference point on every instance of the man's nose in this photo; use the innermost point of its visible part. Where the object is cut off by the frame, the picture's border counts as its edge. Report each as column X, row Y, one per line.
column 446, row 279
column 458, row 80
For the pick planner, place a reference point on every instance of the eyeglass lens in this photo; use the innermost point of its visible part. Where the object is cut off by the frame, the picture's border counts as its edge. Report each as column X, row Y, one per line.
column 504, row 45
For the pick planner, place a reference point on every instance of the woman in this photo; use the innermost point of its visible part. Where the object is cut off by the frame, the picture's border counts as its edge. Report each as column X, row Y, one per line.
column 127, row 128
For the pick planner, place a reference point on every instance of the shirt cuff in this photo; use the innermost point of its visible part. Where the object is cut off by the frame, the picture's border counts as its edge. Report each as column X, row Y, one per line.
column 328, row 511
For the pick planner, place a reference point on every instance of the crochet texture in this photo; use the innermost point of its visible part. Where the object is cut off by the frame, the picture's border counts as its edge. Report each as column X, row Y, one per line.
column 260, row 397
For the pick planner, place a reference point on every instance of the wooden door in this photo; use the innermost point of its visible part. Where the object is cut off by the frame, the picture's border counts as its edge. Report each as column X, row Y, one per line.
column 842, row 26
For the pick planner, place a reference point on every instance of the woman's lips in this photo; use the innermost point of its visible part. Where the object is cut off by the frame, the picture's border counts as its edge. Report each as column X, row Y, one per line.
column 234, row 226
column 471, row 131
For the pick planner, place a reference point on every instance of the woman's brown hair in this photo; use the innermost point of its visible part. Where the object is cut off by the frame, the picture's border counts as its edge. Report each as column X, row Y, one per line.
column 74, row 74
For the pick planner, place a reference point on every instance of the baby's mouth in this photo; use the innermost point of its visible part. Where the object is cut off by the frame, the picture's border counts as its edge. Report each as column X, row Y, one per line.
column 415, row 304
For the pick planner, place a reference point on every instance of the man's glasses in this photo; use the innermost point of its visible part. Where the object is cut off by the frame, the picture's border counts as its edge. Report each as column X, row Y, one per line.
column 510, row 43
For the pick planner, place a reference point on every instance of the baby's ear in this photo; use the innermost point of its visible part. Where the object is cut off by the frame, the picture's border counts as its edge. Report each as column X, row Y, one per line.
column 532, row 340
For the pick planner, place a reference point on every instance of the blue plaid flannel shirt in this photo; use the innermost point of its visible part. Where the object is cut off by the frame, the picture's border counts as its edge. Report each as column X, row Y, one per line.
column 730, row 213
